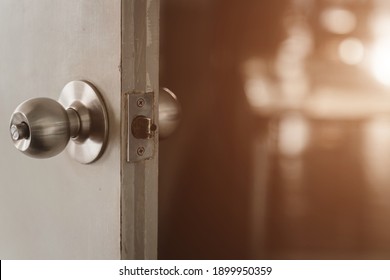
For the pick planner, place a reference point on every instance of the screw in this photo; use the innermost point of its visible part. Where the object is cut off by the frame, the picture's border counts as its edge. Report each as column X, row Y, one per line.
column 14, row 132
column 140, row 151
column 19, row 131
column 140, row 102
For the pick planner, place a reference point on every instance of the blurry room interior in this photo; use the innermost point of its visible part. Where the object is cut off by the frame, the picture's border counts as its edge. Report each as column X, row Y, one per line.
column 284, row 147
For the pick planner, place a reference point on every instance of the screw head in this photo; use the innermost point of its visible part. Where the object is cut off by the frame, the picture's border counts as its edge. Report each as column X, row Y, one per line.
column 14, row 132
column 19, row 131
column 140, row 151
column 140, row 102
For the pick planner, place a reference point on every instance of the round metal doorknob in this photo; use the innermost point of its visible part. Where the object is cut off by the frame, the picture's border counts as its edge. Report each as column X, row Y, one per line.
column 40, row 127
column 43, row 127
column 169, row 113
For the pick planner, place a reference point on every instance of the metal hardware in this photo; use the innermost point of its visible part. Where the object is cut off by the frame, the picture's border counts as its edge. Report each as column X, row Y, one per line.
column 140, row 102
column 20, row 131
column 140, row 151
column 169, row 113
column 42, row 127
column 141, row 126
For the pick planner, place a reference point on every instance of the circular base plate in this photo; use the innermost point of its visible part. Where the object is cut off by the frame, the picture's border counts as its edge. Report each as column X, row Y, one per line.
column 84, row 98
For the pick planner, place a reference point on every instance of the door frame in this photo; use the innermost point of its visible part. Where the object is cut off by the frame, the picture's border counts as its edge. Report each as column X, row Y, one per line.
column 139, row 181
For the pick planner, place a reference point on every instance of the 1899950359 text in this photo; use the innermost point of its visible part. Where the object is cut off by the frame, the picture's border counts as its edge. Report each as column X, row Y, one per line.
column 214, row 271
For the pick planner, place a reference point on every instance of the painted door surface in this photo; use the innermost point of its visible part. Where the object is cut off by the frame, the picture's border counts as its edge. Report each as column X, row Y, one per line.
column 57, row 208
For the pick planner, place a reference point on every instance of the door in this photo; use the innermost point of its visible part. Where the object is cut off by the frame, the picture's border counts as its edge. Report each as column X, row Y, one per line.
column 57, row 208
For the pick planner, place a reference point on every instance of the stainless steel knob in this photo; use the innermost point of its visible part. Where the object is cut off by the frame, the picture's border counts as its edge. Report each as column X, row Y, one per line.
column 169, row 113
column 43, row 127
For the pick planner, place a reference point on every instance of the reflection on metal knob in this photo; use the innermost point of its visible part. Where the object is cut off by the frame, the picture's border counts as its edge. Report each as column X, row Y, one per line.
column 169, row 113
column 43, row 127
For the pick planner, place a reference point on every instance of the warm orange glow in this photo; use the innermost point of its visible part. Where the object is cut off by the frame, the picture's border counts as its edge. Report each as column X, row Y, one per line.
column 338, row 20
column 258, row 91
column 351, row 51
column 380, row 23
column 379, row 54
column 380, row 61
column 376, row 148
column 293, row 134
column 258, row 88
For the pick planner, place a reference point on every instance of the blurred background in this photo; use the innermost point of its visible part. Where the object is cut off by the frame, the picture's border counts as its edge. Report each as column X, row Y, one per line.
column 284, row 147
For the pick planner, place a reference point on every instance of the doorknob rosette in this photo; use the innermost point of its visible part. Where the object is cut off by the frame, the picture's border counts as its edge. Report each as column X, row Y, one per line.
column 43, row 127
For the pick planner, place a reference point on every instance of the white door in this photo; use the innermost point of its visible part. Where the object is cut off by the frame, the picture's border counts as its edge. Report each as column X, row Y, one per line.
column 57, row 208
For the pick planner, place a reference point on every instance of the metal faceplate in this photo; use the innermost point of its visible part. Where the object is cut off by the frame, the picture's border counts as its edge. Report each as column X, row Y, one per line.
column 141, row 126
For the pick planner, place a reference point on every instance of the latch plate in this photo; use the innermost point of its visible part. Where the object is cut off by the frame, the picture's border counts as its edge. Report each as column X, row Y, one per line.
column 140, row 112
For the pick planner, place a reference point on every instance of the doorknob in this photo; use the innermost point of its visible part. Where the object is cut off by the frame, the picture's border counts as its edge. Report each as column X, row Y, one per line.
column 169, row 113
column 43, row 127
